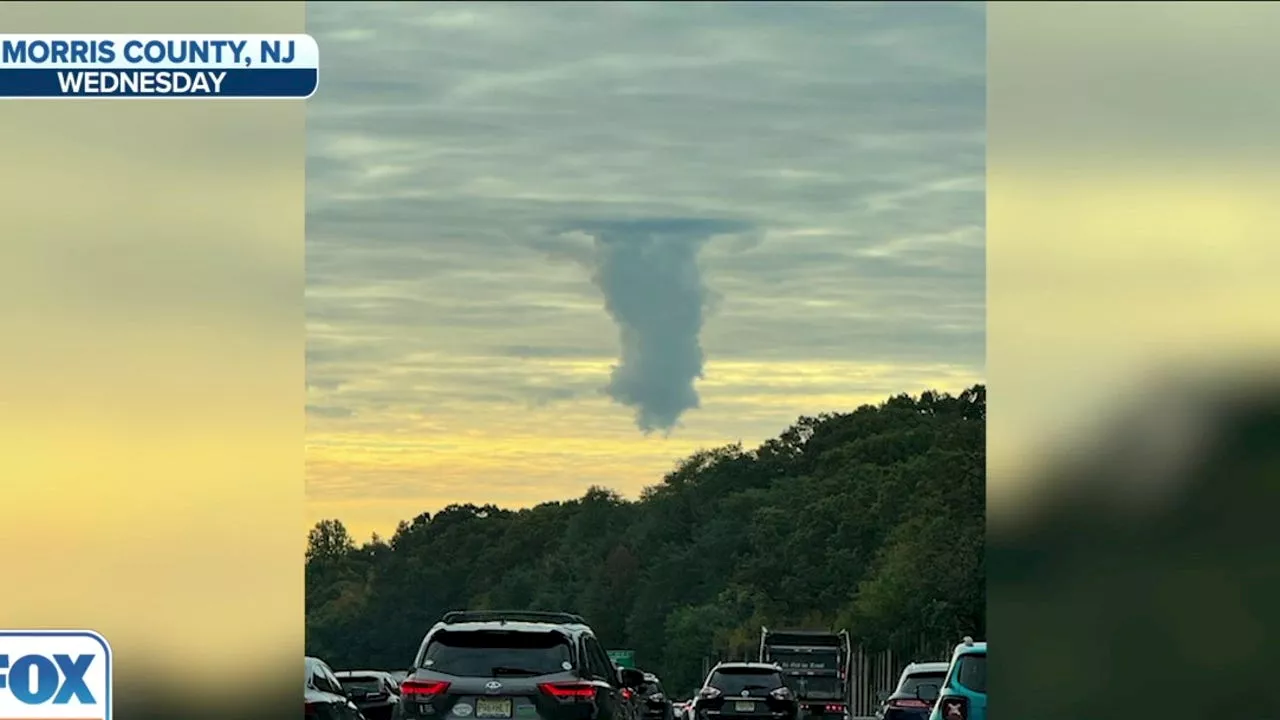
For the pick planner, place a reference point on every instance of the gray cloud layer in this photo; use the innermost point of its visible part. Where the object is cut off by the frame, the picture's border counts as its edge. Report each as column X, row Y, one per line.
column 452, row 146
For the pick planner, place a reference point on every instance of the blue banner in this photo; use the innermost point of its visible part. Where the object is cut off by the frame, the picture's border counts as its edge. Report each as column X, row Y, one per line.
column 158, row 66
column 115, row 83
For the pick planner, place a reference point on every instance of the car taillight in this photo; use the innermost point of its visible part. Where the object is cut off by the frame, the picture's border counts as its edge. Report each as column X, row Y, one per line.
column 835, row 708
column 780, row 694
column 570, row 691
column 953, row 708
column 905, row 703
column 423, row 688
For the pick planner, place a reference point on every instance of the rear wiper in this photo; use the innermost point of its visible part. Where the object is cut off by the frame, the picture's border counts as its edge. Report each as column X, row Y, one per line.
column 501, row 670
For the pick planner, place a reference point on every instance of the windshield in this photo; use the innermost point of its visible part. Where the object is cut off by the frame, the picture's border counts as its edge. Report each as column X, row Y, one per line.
column 971, row 672
column 362, row 684
column 497, row 652
column 913, row 682
column 733, row 682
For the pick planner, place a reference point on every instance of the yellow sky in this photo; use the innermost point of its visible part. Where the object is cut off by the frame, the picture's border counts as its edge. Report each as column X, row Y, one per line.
column 373, row 472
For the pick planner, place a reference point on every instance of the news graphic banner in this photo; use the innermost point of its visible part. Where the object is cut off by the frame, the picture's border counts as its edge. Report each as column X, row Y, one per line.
column 54, row 675
column 276, row 67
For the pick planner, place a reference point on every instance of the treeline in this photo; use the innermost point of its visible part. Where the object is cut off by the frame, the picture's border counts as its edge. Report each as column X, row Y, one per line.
column 871, row 520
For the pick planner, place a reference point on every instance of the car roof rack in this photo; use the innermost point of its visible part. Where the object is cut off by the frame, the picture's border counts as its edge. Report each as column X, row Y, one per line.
column 530, row 616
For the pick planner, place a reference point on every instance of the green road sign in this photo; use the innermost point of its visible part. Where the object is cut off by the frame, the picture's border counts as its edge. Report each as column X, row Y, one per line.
column 623, row 658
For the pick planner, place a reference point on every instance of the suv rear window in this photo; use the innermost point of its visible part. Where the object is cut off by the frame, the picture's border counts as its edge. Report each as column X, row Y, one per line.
column 971, row 672
column 732, row 681
column 487, row 653
column 912, row 682
column 363, row 683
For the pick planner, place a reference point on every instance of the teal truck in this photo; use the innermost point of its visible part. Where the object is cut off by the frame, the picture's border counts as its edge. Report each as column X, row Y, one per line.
column 964, row 691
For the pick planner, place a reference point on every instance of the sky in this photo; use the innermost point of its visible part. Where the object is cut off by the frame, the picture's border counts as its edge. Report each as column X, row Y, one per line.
column 551, row 246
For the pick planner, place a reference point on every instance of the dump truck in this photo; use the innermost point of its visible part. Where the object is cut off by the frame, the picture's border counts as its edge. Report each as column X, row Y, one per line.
column 816, row 666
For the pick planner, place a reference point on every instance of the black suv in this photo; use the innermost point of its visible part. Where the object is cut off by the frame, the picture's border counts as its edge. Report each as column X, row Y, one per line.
column 653, row 698
column 373, row 691
column 745, row 691
column 514, row 665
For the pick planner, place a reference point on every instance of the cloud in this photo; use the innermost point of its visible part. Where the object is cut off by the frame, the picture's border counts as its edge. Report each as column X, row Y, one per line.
column 454, row 149
column 653, row 289
column 327, row 411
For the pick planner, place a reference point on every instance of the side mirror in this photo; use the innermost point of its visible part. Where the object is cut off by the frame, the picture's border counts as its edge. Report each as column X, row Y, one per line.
column 927, row 693
column 630, row 678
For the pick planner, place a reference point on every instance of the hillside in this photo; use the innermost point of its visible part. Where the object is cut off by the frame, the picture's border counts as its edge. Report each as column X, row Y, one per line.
column 871, row 520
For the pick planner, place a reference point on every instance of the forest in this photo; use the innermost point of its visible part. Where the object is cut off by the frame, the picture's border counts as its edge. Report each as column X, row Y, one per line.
column 871, row 520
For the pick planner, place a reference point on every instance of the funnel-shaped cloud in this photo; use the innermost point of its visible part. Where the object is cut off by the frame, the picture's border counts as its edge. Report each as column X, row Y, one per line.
column 653, row 289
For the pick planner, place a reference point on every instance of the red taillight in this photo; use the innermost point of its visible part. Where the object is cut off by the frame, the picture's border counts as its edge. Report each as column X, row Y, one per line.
column 908, row 703
column 570, row 691
column 835, row 708
column 421, row 688
column 627, row 694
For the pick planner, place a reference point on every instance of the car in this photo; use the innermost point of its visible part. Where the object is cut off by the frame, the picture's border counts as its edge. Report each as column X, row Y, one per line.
column 514, row 665
column 915, row 693
column 964, row 691
column 323, row 696
column 655, row 705
column 633, row 704
column 745, row 691
column 375, row 692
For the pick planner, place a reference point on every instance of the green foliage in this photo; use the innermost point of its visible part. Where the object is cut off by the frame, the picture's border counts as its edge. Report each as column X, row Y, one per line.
column 871, row 520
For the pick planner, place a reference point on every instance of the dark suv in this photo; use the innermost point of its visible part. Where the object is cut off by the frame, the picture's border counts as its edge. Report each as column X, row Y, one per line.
column 745, row 691
column 500, row 665
column 917, row 690
column 654, row 701
column 373, row 691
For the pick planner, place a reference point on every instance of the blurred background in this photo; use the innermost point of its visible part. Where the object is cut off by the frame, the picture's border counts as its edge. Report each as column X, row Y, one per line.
column 151, row 375
column 1134, row 425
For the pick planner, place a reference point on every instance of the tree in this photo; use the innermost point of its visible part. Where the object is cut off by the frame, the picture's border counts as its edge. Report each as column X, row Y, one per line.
column 328, row 541
column 872, row 520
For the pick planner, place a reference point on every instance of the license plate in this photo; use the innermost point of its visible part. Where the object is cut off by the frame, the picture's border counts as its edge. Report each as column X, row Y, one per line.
column 744, row 706
column 493, row 708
